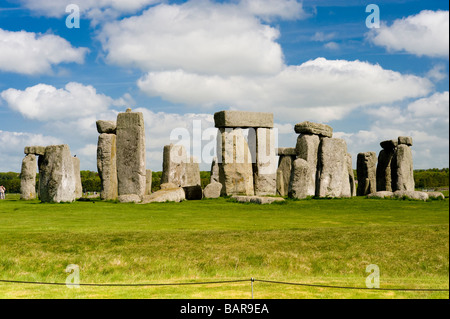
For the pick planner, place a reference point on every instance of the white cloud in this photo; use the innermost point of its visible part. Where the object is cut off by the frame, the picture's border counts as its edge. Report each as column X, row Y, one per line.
column 331, row 45
column 322, row 37
column 437, row 73
column 270, row 9
column 197, row 36
column 425, row 119
column 319, row 89
column 426, row 33
column 45, row 102
column 31, row 53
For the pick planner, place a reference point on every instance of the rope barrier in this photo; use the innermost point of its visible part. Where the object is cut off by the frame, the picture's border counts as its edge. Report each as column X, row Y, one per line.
column 252, row 280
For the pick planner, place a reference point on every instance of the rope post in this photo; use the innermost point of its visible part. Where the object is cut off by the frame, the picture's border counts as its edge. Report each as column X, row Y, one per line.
column 252, row 280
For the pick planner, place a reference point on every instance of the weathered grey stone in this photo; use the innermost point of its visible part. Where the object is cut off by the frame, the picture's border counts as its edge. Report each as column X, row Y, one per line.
column 265, row 168
column 212, row 190
column 289, row 151
column 257, row 199
column 332, row 172
column 389, row 144
column 129, row 198
column 56, row 175
column 76, row 172
column 108, row 127
column 381, row 194
column 351, row 175
column 313, row 128
column 235, row 163
column 131, row 174
column 301, row 183
column 284, row 174
column 148, row 182
column 307, row 148
column 403, row 169
column 192, row 173
column 168, row 186
column 411, row 195
column 406, row 140
column 106, row 166
column 36, row 150
column 214, row 170
column 28, row 178
column 165, row 195
column 174, row 165
column 384, row 172
column 235, row 119
column 193, row 192
column 367, row 173
column 435, row 195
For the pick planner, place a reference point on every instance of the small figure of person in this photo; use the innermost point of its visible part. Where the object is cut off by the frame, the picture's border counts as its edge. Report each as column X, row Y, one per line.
column 2, row 192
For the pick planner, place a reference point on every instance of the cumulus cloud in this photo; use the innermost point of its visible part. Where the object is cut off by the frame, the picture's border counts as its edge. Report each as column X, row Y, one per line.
column 272, row 9
column 44, row 102
column 425, row 119
column 319, row 89
column 32, row 53
column 201, row 37
column 426, row 33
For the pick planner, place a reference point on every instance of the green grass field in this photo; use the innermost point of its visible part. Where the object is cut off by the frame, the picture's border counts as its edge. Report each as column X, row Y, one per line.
column 326, row 242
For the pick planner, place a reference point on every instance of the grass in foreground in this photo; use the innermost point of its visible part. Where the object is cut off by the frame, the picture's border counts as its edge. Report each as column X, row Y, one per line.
column 312, row 241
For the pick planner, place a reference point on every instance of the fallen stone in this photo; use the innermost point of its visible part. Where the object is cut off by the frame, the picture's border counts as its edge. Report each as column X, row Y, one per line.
column 235, row 163
column 168, row 186
column 174, row 165
column 28, row 178
column 288, row 151
column 313, row 128
column 402, row 169
column 36, row 150
column 235, row 119
column 193, row 192
column 301, row 184
column 381, row 194
column 76, row 172
column 165, row 195
column 257, row 199
column 366, row 171
column 332, row 172
column 212, row 190
column 129, row 198
column 108, row 127
column 411, row 195
column 389, row 144
column 405, row 140
column 131, row 173
column 148, row 182
column 106, row 166
column 56, row 175
column 435, row 195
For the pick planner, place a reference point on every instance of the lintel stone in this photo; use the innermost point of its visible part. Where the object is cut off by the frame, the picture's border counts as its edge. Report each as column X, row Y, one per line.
column 243, row 119
column 314, row 128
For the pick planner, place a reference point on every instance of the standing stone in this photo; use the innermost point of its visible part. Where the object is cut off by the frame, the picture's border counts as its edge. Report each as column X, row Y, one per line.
column 56, row 175
column 301, row 183
column 351, row 175
column 76, row 172
column 106, row 166
column 307, row 148
column 403, row 169
column 384, row 174
column 332, row 172
column 174, row 165
column 148, row 182
column 284, row 174
column 366, row 172
column 214, row 170
column 235, row 163
column 131, row 174
column 265, row 168
column 212, row 190
column 192, row 173
column 28, row 177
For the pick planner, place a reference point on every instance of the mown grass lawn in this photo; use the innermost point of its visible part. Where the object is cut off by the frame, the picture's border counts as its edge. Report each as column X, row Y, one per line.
column 328, row 242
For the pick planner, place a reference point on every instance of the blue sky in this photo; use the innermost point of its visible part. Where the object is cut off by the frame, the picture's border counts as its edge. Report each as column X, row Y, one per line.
column 178, row 62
